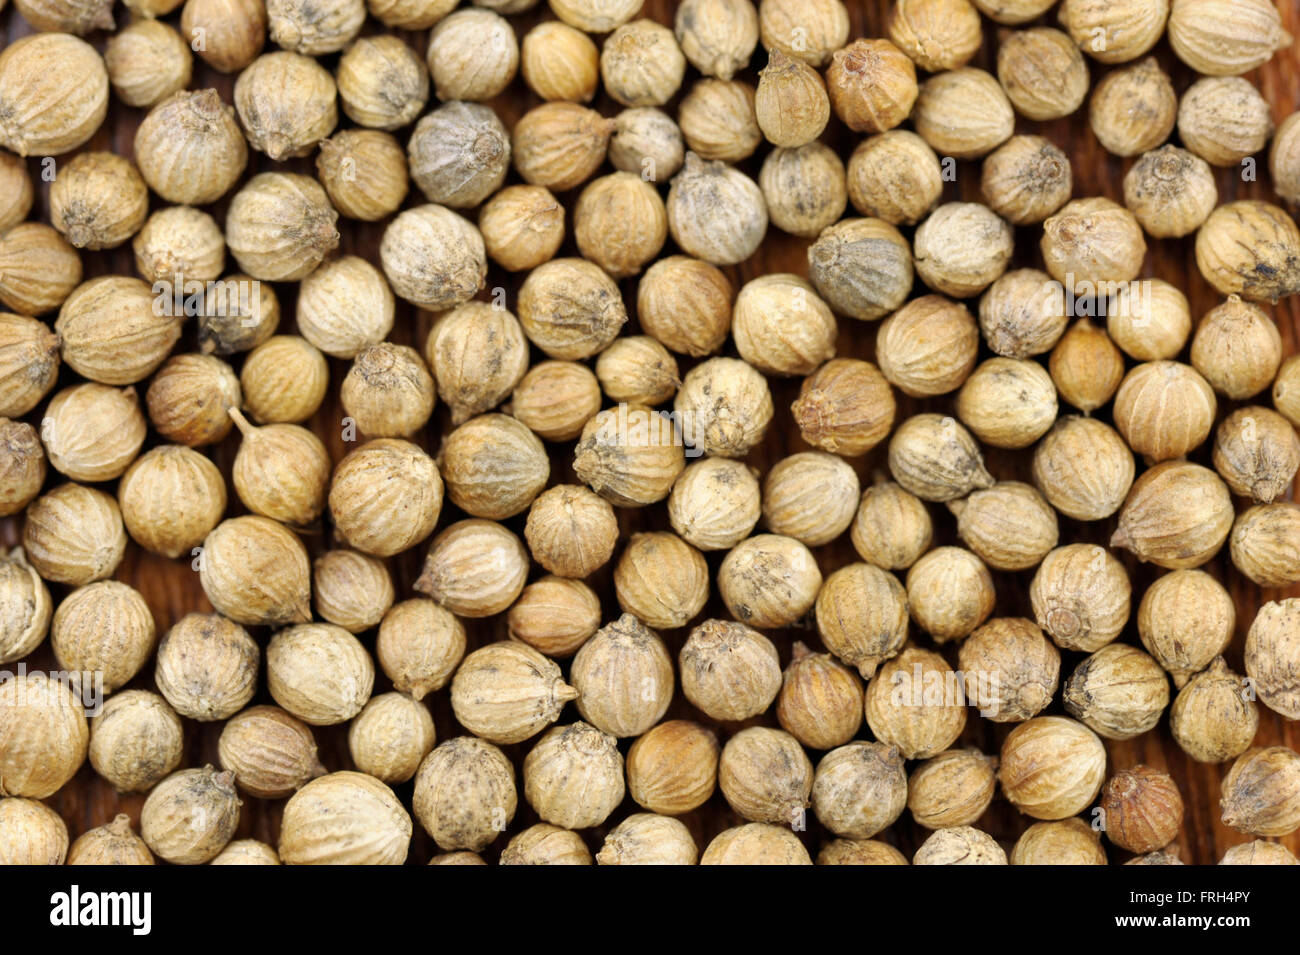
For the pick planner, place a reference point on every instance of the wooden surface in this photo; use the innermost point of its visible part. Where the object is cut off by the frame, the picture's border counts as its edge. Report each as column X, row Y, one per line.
column 172, row 588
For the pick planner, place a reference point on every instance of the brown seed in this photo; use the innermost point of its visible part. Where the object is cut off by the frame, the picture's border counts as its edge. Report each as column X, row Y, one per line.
column 963, row 113
column 811, row 496
column 382, row 82
column 522, row 227
column 571, row 531
column 419, row 646
column 1213, row 717
column 928, row 346
column 73, row 535
column 135, row 740
column 459, row 154
column 111, row 844
column 1133, row 109
column 769, row 581
column 43, row 723
column 1164, row 410
column 1008, row 402
column 465, row 793
column 112, row 332
column 872, row 85
column 662, row 580
column 1261, row 793
column 390, row 737
column 781, row 326
column 949, row 593
column 233, row 31
column 478, row 354
column 1176, row 516
column 344, row 306
column 574, row 776
column 271, row 753
column 53, row 94
column 344, row 818
column 206, row 667
column 1257, row 452
column 1023, row 665
column 631, row 455
column 191, row 815
column 280, row 226
column 559, row 62
column 623, row 677
column 619, row 222
column 1086, row 366
column 1052, row 767
column 1043, row 72
column 1251, row 249
column 285, row 103
column 105, row 628
column 820, row 703
column 791, row 102
column 570, row 308
column 904, row 710
column 1081, row 597
column 894, row 176
column 862, row 267
column 1115, row 32
column 648, row 142
column 937, row 34
column 1093, row 246
column 1237, row 348
column 555, row 615
column 473, row 55
column 845, row 407
column 1066, row 842
column 1023, row 314
column 673, row 768
column 808, row 29
column 728, row 671
column 493, row 466
column 862, row 616
column 351, row 589
column 716, row 212
column 641, row 64
column 38, row 268
column 26, row 601
column 765, row 775
column 1119, row 692
column 953, row 788
column 385, row 497
column 859, row 789
column 474, row 568
column 686, row 304
column 936, row 459
column 363, row 172
column 1027, row 179
column 717, row 36
column 755, row 843
column 560, row 145
column 22, row 465
column 1273, row 656
column 1143, row 808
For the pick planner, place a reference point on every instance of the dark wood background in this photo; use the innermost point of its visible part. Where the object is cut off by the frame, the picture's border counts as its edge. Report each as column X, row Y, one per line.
column 172, row 588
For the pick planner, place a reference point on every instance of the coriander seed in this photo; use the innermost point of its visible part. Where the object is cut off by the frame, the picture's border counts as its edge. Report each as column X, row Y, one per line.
column 1119, row 692
column 804, row 188
column 474, row 568
column 281, row 471
column 928, row 346
column 781, row 326
column 808, row 29
column 1086, row 366
column 729, row 672
column 206, row 667
column 433, row 258
column 1052, row 767
column 673, row 768
column 1134, row 108
column 1284, row 159
column 1212, row 718
column 344, row 818
column 419, row 646
column 820, row 703
column 106, row 628
column 619, row 222
column 936, row 459
column 1064, row 842
column 385, row 497
column 43, row 724
column 543, row 844
column 862, row 267
column 559, row 62
column 271, row 753
column 478, row 354
column 953, row 788
column 1273, row 656
column 1115, row 32
column 571, row 531
column 560, row 145
column 38, row 268
column 459, row 154
column 894, row 176
column 390, row 737
column 522, row 227
column 686, row 304
column 280, row 226
column 963, row 113
column 235, row 321
column 147, row 61
column 1176, row 516
column 641, row 64
column 246, row 852
column 570, row 308
column 1023, row 314
column 1164, row 409
column 765, row 776
column 938, row 34
column 319, row 672
column 283, row 380
column 555, row 615
column 254, row 570
column 189, row 148
column 756, row 843
column 1027, row 179
column 234, row 31
column 1257, row 452
column 135, row 740
column 179, row 244
column 791, row 102
column 1027, row 664
column 73, row 535
column 769, row 580
column 465, row 793
column 810, row 496
column 1250, row 249
column 573, row 776
column 1081, row 597
column 493, row 466
column 112, row 844
column 647, row 141
column 901, row 713
column 859, row 789
column 1226, row 39
column 1171, row 192
column 623, row 677
column 1261, row 793
column 111, row 330
column 715, row 503
column 351, row 589
column 1224, row 120
column 285, row 103
column 473, row 55
column 388, row 392
column 723, row 408
column 716, row 212
column 845, row 407
column 93, row 432
column 861, row 614
column 22, row 466
column 661, row 580
column 892, row 528
column 1043, row 73
column 363, row 172
column 872, row 85
column 1143, row 809
column 647, row 839
column 191, row 815
column 382, row 82
column 53, row 93
column 1238, row 349
column 717, row 36
column 1007, row 402
column 1093, row 245
column 638, row 370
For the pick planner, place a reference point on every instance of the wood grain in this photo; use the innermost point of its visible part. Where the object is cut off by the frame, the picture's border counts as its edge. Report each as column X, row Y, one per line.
column 172, row 588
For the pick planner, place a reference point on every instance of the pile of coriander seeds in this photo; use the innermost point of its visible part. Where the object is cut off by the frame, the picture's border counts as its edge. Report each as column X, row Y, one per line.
column 581, row 431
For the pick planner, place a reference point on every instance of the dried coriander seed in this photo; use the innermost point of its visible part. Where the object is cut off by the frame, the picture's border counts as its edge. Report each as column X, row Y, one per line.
column 937, row 34
column 473, row 55
column 623, row 677
column 364, row 173
column 901, row 713
column 388, row 392
column 1250, row 248
column 1052, row 767
column 662, row 580
column 1261, row 793
column 862, row 267
column 845, row 407
column 93, row 432
column 1257, row 452
column 894, row 176
column 756, row 843
column 54, row 88
column 1224, row 120
column 953, row 788
column 686, row 304
column 1238, row 349
column 935, row 458
column 462, row 789
column 812, row 31
column 723, row 408
column 1171, row 192
column 433, row 257
column 459, row 154
column 811, row 496
column 1043, row 73
column 791, row 102
column 717, row 36
column 319, row 672
column 570, row 308
column 390, row 737
column 234, row 31
column 619, row 222
column 769, row 580
column 1027, row 179
column 673, row 768
column 1176, row 516
column 344, row 818
column 781, row 326
column 928, row 346
column 135, row 740
column 638, row 370
column 1212, row 718
column 648, row 839
column 765, row 775
column 1115, row 32
column 729, row 671
column 804, row 188
column 1092, row 245
column 112, row 332
column 892, row 528
column 1164, row 409
column 1081, row 597
column 38, row 268
column 104, row 627
column 1086, row 366
column 1226, row 39
column 351, row 589
column 715, row 503
column 283, row 380
column 419, row 646
column 646, row 141
column 641, row 64
column 559, row 62
column 872, row 85
column 271, row 753
column 560, row 145
column 285, row 103
column 255, row 571
column 382, row 82
column 1007, row 402
column 191, row 815
column 573, row 776
column 385, row 497
column 859, row 789
column 1023, row 314
column 22, row 465
column 1065, row 842
column 716, row 212
column 1185, row 620
column 820, row 703
column 493, row 466
column 474, row 568
column 206, row 667
column 147, row 61
column 1273, row 656
column 1009, row 525
column 73, row 535
column 571, row 531
column 555, row 615
column 1119, row 692
column 861, row 614
column 963, row 113
column 1134, row 108
column 281, row 471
